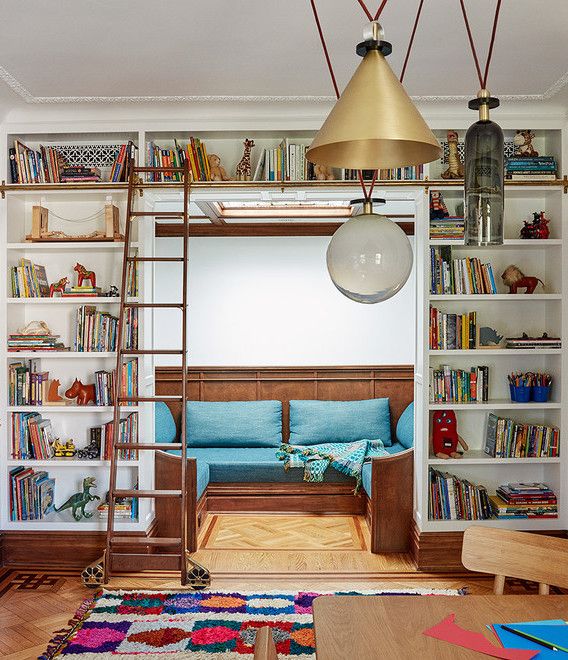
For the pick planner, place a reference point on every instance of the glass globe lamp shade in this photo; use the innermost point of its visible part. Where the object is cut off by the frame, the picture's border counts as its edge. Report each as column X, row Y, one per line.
column 369, row 258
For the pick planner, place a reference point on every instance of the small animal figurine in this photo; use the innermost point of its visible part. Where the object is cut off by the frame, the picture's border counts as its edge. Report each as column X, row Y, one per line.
column 538, row 228
column 58, row 286
column 488, row 338
column 323, row 173
column 84, row 274
column 523, row 144
column 79, row 501
column 91, row 452
column 515, row 279
column 438, row 208
column 216, row 170
column 455, row 166
column 112, row 292
column 64, row 450
column 244, row 167
column 84, row 393
column 445, row 436
column 53, row 398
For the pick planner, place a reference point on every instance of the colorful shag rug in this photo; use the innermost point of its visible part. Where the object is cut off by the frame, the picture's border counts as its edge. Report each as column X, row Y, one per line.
column 196, row 625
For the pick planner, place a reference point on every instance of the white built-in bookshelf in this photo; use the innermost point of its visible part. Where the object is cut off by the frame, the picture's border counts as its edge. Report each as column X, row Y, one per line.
column 510, row 314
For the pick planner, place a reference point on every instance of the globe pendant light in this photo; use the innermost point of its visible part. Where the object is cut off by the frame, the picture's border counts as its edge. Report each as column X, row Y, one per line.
column 374, row 123
column 484, row 174
column 369, row 258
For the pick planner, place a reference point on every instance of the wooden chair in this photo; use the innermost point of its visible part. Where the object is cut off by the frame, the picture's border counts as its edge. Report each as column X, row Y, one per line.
column 265, row 648
column 534, row 557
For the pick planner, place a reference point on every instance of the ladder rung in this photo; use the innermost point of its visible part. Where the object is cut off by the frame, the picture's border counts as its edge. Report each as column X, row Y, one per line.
column 148, row 445
column 143, row 562
column 166, row 259
column 153, row 351
column 146, row 541
column 149, row 399
column 156, row 214
column 155, row 305
column 147, row 493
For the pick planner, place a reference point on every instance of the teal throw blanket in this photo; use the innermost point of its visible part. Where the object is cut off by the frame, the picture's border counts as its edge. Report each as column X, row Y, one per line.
column 345, row 457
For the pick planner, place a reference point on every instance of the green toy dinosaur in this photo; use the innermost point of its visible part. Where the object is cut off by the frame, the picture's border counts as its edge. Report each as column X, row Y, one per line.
column 79, row 501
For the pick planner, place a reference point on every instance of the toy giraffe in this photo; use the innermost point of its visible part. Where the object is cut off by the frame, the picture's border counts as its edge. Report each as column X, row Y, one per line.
column 455, row 166
column 244, row 168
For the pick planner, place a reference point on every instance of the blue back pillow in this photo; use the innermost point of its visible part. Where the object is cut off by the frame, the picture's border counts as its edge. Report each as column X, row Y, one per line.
column 314, row 422
column 165, row 426
column 234, row 423
column 405, row 427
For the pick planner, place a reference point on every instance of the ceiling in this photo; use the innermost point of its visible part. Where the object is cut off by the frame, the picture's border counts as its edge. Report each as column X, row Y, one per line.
column 69, row 51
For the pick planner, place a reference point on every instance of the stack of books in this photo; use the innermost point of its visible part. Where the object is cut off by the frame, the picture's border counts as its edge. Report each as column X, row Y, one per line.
column 452, row 498
column 452, row 331
column 104, row 384
column 80, row 174
column 27, row 385
column 32, row 436
column 286, row 162
column 18, row 342
column 451, row 228
column 29, row 280
column 127, row 432
column 505, row 438
column 120, row 168
column 32, row 494
column 523, row 168
column 459, row 276
column 30, row 166
column 533, row 342
column 194, row 152
column 124, row 507
column 82, row 292
column 520, row 500
column 449, row 385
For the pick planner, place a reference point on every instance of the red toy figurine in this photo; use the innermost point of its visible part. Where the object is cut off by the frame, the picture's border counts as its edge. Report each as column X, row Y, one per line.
column 538, row 228
column 84, row 393
column 445, row 436
column 84, row 274
column 58, row 286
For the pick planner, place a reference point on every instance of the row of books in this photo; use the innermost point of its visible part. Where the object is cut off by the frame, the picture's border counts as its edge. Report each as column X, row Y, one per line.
column 286, row 162
column 27, row 385
column 448, row 228
column 505, row 438
column 34, row 166
column 452, row 498
column 195, row 153
column 449, row 385
column 104, row 384
column 515, row 501
column 127, row 433
column 32, row 494
column 524, row 168
column 409, row 173
column 32, row 437
column 46, row 342
column 29, row 280
column 97, row 330
column 452, row 331
column 459, row 276
column 120, row 169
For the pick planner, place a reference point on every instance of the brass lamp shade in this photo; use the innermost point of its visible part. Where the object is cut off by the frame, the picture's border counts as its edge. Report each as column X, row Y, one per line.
column 374, row 124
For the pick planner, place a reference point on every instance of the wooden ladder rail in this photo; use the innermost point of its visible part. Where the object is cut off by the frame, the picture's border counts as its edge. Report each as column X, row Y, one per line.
column 100, row 572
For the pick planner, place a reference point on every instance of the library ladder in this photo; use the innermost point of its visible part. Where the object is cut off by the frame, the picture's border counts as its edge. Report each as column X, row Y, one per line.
column 138, row 553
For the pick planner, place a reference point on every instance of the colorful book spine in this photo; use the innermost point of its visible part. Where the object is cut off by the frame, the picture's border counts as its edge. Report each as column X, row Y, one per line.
column 453, row 498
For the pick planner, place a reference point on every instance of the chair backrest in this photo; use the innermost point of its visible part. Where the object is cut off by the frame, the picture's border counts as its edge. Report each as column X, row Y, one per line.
column 534, row 557
column 264, row 647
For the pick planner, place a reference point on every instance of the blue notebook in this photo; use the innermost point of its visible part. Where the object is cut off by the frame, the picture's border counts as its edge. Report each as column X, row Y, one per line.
column 553, row 630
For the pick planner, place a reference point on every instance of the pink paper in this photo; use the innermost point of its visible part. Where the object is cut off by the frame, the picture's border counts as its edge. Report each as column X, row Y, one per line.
column 449, row 631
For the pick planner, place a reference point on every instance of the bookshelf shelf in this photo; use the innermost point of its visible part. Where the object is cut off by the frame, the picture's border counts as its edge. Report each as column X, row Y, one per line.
column 70, row 410
column 498, row 351
column 527, row 525
column 61, row 355
column 478, row 457
column 89, row 246
column 68, row 524
column 508, row 244
column 85, row 300
column 496, row 297
column 496, row 404
column 71, row 463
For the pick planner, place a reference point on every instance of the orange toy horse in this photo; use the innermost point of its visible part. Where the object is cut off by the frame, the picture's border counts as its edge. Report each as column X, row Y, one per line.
column 84, row 393
column 84, row 274
column 58, row 286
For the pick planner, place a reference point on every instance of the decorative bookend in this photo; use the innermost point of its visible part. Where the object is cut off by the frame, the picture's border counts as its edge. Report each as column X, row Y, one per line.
column 39, row 222
column 112, row 227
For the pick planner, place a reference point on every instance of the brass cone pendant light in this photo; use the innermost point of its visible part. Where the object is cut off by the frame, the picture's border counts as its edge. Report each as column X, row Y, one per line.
column 374, row 124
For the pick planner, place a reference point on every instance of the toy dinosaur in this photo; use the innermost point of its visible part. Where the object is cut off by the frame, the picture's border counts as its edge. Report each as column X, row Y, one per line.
column 79, row 501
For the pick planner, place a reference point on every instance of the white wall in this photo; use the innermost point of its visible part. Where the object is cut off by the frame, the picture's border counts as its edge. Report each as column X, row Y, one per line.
column 270, row 301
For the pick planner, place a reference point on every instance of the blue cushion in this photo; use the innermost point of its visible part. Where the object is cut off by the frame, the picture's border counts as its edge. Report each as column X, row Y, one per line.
column 313, row 422
column 165, row 426
column 234, row 423
column 395, row 448
column 202, row 477
column 259, row 464
column 405, row 427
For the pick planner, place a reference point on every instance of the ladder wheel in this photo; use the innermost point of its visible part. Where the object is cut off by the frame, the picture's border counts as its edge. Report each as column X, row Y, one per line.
column 93, row 574
column 198, row 577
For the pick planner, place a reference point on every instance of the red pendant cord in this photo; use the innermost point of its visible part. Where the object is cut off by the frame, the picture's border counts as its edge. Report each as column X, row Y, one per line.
column 332, row 74
column 482, row 78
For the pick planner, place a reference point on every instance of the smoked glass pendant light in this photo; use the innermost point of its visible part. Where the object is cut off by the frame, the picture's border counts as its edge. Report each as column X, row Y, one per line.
column 484, row 176
column 369, row 258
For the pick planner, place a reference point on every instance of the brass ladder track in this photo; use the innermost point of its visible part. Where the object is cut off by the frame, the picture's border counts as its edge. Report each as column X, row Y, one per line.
column 147, row 558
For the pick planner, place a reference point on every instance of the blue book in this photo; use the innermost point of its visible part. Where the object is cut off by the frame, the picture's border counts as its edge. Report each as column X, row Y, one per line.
column 554, row 631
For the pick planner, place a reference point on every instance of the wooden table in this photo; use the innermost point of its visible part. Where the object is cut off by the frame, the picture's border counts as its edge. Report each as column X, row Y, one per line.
column 390, row 627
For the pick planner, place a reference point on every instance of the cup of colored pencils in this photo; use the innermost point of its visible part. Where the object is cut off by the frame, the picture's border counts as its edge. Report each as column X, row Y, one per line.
column 542, row 384
column 520, row 387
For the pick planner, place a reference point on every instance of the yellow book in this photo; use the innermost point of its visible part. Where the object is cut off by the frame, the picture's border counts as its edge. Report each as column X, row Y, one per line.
column 206, row 162
column 192, row 162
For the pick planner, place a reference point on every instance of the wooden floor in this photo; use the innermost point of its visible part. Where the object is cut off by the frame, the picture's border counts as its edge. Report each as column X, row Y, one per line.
column 242, row 552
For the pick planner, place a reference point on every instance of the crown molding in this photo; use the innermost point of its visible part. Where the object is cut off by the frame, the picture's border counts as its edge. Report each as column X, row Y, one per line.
column 17, row 87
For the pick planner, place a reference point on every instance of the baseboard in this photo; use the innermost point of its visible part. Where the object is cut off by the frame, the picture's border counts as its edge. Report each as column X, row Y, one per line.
column 56, row 549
